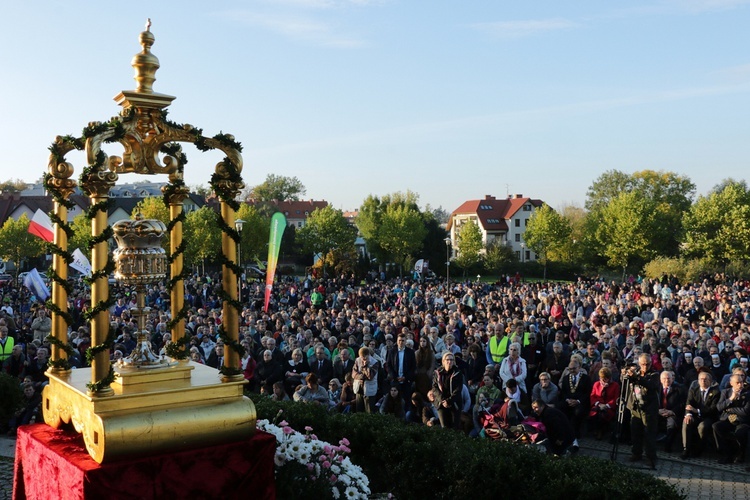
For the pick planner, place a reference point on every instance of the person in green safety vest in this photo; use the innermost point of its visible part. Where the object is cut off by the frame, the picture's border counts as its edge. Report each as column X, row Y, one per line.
column 519, row 330
column 316, row 299
column 497, row 347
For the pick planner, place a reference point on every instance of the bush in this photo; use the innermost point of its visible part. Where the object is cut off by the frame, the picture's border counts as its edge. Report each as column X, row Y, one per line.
column 11, row 395
column 414, row 461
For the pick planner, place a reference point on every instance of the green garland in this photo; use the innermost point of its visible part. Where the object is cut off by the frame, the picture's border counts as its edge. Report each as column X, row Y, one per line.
column 178, row 350
column 102, row 383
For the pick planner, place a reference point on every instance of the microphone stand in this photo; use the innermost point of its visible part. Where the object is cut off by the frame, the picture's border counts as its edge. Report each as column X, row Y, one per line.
column 624, row 394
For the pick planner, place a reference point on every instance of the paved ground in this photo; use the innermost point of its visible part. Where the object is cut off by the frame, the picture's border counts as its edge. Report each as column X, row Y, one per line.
column 699, row 478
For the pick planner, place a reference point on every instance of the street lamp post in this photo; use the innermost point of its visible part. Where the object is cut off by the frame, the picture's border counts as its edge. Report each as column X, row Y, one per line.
column 523, row 253
column 447, row 261
column 238, row 226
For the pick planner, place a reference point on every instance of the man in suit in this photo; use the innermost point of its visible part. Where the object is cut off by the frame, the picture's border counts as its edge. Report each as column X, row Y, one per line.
column 643, row 403
column 401, row 367
column 321, row 366
column 556, row 362
column 700, row 415
column 671, row 408
column 731, row 431
column 343, row 365
column 575, row 391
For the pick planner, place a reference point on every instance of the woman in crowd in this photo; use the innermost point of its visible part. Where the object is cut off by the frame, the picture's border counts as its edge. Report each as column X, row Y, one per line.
column 392, row 403
column 447, row 386
column 425, row 366
column 604, row 395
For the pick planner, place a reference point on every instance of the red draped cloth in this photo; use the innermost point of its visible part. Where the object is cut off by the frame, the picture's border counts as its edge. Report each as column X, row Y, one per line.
column 52, row 463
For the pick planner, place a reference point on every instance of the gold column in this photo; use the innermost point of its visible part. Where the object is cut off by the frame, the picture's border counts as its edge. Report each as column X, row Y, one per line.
column 64, row 186
column 97, row 186
column 229, row 283
column 59, row 294
column 177, row 294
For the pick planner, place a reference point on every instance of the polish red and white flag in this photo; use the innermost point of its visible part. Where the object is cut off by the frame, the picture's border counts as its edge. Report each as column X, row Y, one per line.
column 41, row 226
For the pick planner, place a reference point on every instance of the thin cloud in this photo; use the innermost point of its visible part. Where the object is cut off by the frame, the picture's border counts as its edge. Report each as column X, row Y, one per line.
column 706, row 5
column 739, row 73
column 297, row 28
column 518, row 29
column 429, row 129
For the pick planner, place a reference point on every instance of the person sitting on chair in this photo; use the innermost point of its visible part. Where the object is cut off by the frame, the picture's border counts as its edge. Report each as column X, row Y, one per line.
column 730, row 432
column 700, row 415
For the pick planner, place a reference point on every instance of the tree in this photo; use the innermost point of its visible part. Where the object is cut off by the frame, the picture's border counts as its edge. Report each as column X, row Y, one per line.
column 440, row 214
column 671, row 195
column 547, row 232
column 372, row 215
column 152, row 207
column 326, row 231
column 573, row 250
column 496, row 255
column 13, row 186
column 278, row 188
column 254, row 233
column 81, row 226
column 17, row 244
column 401, row 233
column 468, row 245
column 203, row 236
column 623, row 230
column 718, row 225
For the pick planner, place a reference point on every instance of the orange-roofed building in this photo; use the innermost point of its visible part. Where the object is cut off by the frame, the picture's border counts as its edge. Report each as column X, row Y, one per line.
column 503, row 220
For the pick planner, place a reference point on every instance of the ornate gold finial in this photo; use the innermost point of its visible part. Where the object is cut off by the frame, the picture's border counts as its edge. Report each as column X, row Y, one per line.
column 145, row 63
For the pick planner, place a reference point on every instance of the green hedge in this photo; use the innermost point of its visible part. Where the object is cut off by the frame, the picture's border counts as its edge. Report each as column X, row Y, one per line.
column 414, row 461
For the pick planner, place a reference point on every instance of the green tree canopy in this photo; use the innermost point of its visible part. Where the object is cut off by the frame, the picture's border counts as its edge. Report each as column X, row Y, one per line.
column 547, row 233
column 278, row 188
column 254, row 233
column 668, row 194
column 468, row 245
column 203, row 236
column 623, row 230
column 81, row 226
column 327, row 230
column 17, row 244
column 372, row 216
column 401, row 233
column 13, row 186
column 718, row 225
column 496, row 255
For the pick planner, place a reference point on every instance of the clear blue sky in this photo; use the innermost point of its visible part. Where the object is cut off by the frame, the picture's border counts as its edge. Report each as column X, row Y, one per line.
column 451, row 99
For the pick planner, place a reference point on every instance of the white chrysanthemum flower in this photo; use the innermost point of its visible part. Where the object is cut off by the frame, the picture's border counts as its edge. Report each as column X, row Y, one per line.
column 345, row 479
column 335, row 469
column 351, row 492
column 335, row 492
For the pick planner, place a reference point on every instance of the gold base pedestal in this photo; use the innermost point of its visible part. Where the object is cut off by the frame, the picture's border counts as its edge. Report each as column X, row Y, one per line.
column 175, row 408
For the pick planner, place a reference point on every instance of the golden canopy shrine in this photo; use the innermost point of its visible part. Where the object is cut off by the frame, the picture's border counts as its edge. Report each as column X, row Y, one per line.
column 145, row 403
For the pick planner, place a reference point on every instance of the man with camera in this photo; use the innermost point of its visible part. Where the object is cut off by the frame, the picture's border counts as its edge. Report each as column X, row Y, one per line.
column 731, row 431
column 643, row 403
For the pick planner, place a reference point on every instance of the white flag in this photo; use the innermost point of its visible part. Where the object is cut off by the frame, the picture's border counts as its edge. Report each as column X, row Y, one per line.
column 81, row 263
column 36, row 285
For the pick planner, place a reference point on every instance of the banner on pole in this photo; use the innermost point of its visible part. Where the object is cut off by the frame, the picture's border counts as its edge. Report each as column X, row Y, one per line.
column 278, row 224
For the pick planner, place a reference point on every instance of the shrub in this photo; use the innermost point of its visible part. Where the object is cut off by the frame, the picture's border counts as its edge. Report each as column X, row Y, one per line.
column 414, row 461
column 11, row 395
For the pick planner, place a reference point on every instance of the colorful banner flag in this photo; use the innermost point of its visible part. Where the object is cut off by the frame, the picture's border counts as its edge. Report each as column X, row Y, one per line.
column 34, row 282
column 81, row 263
column 41, row 226
column 278, row 224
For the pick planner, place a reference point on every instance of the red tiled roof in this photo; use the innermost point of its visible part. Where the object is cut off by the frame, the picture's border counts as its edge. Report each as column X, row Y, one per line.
column 293, row 209
column 490, row 209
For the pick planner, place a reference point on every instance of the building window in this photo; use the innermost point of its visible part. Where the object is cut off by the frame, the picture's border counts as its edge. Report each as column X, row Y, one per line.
column 299, row 224
column 517, row 222
column 518, row 237
column 518, row 254
column 528, row 255
column 527, row 208
column 526, row 222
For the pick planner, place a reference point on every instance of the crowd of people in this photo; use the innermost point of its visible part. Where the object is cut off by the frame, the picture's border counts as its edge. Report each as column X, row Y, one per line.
column 563, row 354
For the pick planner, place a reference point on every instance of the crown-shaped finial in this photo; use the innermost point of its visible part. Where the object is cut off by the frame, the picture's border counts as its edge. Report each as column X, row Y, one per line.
column 145, row 63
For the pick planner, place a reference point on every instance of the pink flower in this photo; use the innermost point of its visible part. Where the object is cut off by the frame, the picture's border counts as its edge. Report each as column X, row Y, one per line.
column 288, row 430
column 340, row 458
column 345, row 449
column 326, row 464
column 313, row 436
column 310, row 466
column 308, row 428
column 327, row 449
column 283, row 423
column 345, row 442
column 334, row 478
